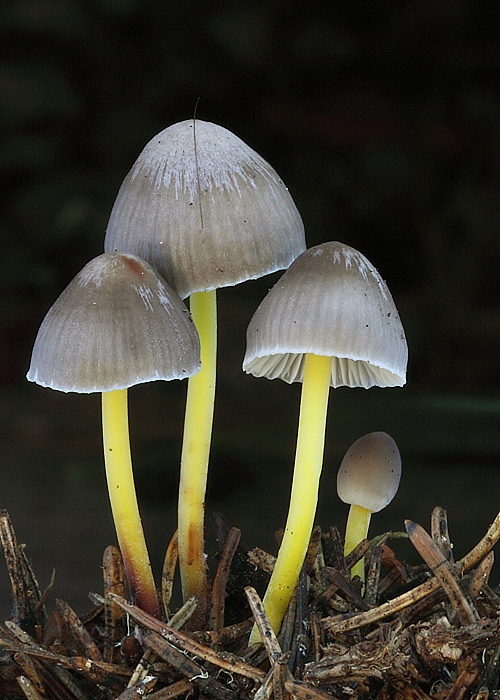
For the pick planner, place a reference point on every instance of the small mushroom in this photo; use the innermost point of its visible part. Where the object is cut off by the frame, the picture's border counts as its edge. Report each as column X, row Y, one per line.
column 207, row 211
column 117, row 324
column 368, row 480
column 329, row 321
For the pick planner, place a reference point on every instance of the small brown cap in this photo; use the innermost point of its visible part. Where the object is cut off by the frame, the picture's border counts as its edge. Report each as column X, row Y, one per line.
column 331, row 302
column 370, row 472
column 117, row 323
column 205, row 209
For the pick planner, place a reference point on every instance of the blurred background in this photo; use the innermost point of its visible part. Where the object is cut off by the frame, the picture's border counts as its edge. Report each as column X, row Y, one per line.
column 383, row 120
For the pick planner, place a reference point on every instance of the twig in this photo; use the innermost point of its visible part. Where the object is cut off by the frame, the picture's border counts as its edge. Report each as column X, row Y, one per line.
column 114, row 618
column 220, row 581
column 25, row 589
column 85, row 642
column 195, row 673
column 98, row 672
column 339, row 623
column 279, row 670
column 440, row 534
column 479, row 578
column 177, row 621
column 167, row 576
column 174, row 690
column 433, row 557
column 346, row 587
column 269, row 639
column 228, row 662
column 373, row 576
column 305, row 691
column 28, row 688
column 464, row 681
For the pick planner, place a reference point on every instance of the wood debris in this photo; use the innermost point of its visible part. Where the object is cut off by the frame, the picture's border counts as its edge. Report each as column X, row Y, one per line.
column 427, row 632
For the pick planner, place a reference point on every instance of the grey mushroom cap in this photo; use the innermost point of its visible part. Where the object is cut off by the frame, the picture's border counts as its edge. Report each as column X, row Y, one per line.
column 205, row 209
column 117, row 323
column 370, row 472
column 330, row 302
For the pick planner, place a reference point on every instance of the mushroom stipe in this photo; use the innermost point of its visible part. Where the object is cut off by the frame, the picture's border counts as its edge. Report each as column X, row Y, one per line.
column 122, row 496
column 304, row 493
column 196, row 451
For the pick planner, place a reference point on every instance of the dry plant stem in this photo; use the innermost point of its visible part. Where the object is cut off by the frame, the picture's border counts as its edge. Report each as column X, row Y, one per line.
column 30, row 669
column 114, row 618
column 196, row 450
column 123, row 500
column 345, row 586
column 195, row 673
column 183, row 614
column 464, row 681
column 269, row 639
column 176, row 622
column 25, row 590
column 266, row 688
column 433, row 557
column 70, row 682
column 173, row 691
column 440, row 534
column 28, row 688
column 279, row 669
column 304, row 494
column 373, row 576
column 481, row 575
column 340, row 624
column 358, row 522
column 304, row 691
column 227, row 635
column 87, row 645
column 220, row 581
column 185, row 643
column 139, row 689
column 168, row 572
column 96, row 671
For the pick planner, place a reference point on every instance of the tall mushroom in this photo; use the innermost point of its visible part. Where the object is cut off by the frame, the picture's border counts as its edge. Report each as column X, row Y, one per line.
column 368, row 479
column 117, row 324
column 329, row 321
column 208, row 212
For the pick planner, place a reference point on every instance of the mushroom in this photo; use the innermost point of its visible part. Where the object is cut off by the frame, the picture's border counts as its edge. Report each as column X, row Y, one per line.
column 117, row 324
column 368, row 479
column 207, row 211
column 329, row 321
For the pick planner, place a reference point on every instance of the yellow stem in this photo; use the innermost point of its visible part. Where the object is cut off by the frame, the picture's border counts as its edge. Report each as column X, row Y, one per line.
column 358, row 522
column 196, row 450
column 304, row 494
column 123, row 499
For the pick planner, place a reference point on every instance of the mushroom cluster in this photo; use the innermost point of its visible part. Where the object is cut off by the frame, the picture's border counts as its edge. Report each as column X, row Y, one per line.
column 200, row 210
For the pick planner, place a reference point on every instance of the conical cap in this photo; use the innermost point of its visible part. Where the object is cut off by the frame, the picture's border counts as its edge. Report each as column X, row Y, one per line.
column 118, row 323
column 331, row 302
column 205, row 209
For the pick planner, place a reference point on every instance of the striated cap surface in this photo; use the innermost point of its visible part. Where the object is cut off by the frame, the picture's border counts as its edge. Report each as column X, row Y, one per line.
column 332, row 302
column 205, row 209
column 117, row 323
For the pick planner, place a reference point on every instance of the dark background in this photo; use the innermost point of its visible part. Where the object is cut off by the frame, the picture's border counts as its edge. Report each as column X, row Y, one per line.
column 383, row 120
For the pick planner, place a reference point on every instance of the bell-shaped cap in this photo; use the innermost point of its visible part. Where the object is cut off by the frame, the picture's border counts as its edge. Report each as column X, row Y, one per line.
column 117, row 323
column 331, row 302
column 205, row 209
column 370, row 472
